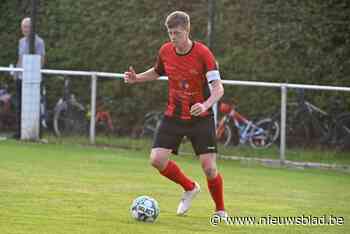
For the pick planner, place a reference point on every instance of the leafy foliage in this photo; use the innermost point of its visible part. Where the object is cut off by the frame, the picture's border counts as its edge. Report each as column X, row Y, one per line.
column 266, row 40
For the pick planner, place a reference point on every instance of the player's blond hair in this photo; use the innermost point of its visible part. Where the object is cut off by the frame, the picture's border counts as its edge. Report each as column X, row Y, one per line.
column 178, row 18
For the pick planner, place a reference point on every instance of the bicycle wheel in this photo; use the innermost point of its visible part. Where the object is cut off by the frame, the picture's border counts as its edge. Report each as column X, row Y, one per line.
column 342, row 132
column 264, row 133
column 70, row 119
column 151, row 124
column 298, row 130
column 2, row 116
column 7, row 118
column 306, row 126
column 102, row 128
column 224, row 135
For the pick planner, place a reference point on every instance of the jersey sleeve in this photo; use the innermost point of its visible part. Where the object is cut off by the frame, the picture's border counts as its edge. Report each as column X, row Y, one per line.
column 159, row 65
column 211, row 70
column 209, row 60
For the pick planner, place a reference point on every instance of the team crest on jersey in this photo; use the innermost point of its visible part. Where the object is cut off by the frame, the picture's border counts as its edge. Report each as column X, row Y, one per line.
column 194, row 72
column 184, row 84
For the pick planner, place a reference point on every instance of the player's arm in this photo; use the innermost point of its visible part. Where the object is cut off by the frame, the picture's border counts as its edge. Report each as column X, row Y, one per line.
column 216, row 94
column 217, row 91
column 131, row 77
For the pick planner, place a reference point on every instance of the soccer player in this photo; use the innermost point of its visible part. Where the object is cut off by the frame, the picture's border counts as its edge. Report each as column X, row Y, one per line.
column 191, row 68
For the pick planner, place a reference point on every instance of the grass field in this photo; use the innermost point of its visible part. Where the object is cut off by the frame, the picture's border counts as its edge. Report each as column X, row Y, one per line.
column 67, row 188
column 316, row 154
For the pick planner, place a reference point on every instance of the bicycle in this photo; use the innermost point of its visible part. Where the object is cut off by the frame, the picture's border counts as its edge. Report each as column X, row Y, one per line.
column 7, row 111
column 73, row 118
column 152, row 121
column 104, row 123
column 69, row 114
column 340, row 136
column 307, row 124
column 233, row 129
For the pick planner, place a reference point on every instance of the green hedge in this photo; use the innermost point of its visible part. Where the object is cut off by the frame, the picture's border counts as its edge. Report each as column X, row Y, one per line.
column 264, row 40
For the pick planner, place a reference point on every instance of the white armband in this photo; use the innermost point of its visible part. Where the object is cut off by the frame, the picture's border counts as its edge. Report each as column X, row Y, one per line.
column 213, row 75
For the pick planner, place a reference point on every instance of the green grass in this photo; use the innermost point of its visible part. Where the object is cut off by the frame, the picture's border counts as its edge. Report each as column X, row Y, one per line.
column 66, row 188
column 316, row 154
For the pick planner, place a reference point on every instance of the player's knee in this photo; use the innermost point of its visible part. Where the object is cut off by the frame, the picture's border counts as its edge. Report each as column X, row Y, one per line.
column 210, row 172
column 209, row 167
column 153, row 161
column 156, row 161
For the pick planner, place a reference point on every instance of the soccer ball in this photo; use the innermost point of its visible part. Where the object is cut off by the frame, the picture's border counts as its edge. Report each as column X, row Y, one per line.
column 145, row 209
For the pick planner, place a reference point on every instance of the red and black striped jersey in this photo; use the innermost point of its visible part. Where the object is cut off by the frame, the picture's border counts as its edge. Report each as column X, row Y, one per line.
column 187, row 77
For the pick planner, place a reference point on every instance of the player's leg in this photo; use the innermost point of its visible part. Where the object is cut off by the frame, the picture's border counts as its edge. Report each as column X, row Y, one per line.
column 204, row 144
column 214, row 181
column 167, row 141
column 159, row 159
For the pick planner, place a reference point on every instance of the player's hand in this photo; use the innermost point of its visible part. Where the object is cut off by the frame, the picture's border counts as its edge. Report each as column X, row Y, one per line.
column 130, row 76
column 197, row 109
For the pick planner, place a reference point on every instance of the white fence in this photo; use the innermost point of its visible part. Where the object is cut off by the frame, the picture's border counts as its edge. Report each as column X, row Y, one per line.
column 282, row 86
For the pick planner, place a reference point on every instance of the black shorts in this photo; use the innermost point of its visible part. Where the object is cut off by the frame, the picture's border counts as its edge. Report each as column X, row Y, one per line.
column 201, row 133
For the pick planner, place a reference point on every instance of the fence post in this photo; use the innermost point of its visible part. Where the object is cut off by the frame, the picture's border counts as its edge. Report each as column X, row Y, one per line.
column 283, row 123
column 30, row 108
column 93, row 108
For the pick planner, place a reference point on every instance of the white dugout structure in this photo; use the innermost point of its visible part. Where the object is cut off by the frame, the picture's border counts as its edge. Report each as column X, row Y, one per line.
column 31, row 96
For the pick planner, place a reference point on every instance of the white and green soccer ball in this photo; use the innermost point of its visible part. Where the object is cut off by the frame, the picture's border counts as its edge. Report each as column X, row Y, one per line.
column 145, row 209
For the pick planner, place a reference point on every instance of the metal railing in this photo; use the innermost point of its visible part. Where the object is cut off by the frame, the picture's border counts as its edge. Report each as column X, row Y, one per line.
column 283, row 86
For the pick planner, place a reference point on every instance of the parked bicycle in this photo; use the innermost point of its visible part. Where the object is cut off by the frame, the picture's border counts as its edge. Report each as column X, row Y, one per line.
column 151, row 123
column 104, row 123
column 340, row 135
column 72, row 118
column 233, row 128
column 69, row 114
column 7, row 111
column 308, row 124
